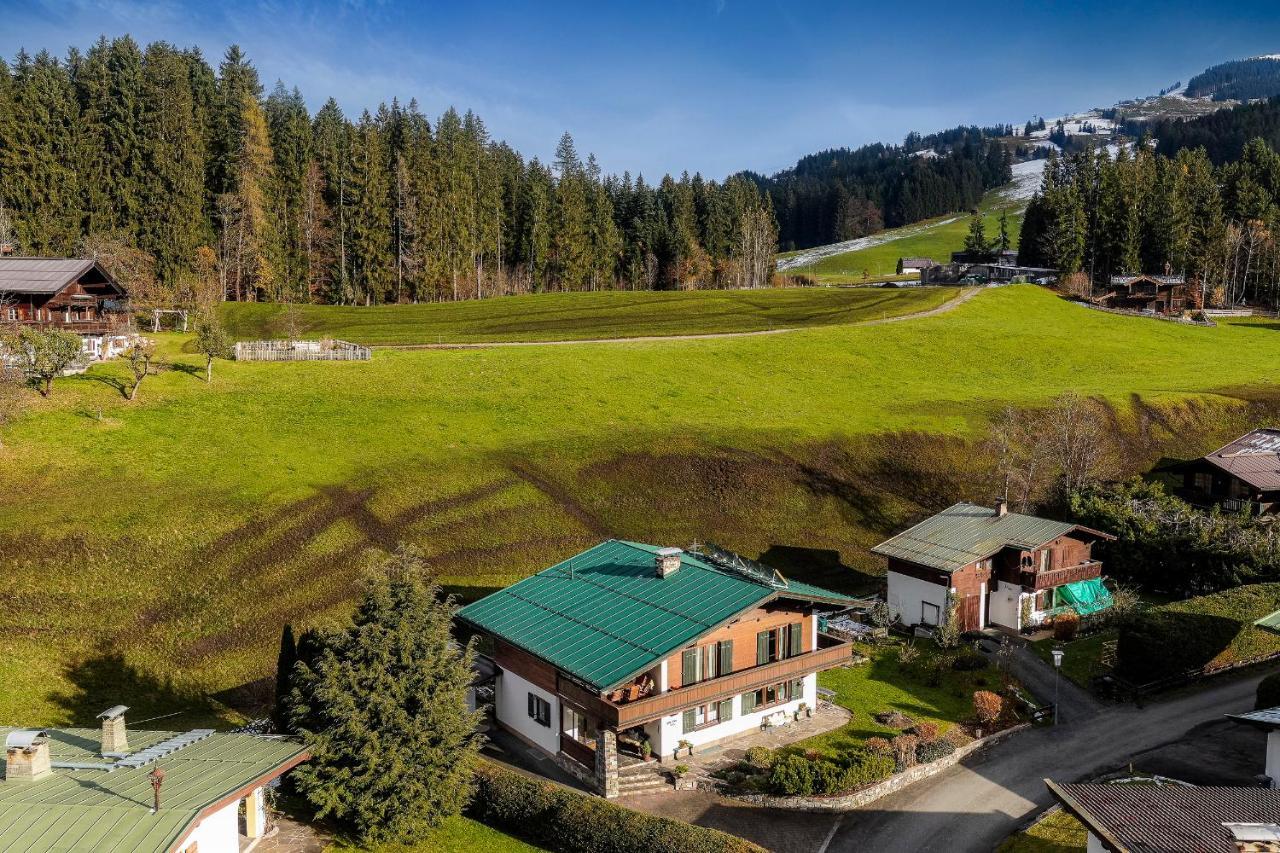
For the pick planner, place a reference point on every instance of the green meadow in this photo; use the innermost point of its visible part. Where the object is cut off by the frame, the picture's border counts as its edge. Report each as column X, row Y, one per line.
column 582, row 316
column 151, row 551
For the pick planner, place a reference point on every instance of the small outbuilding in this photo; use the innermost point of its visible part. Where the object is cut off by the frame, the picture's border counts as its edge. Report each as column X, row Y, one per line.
column 915, row 265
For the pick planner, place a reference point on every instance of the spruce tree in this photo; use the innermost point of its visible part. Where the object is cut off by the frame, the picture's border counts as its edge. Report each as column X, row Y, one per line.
column 382, row 707
column 975, row 242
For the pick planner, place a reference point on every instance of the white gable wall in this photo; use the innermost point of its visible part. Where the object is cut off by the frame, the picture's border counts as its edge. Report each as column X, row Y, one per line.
column 511, row 706
column 907, row 594
column 217, row 833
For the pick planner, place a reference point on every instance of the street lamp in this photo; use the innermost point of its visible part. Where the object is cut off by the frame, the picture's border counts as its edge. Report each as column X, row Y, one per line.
column 1058, row 655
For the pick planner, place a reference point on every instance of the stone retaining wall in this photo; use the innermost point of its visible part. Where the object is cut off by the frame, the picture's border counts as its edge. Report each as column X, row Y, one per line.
column 896, row 782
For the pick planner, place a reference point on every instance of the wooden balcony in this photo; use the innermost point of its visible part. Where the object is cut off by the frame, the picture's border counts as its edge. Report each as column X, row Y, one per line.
column 1057, row 577
column 831, row 652
column 80, row 327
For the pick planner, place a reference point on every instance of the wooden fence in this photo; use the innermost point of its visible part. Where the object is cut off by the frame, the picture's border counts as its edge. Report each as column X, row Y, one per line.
column 326, row 350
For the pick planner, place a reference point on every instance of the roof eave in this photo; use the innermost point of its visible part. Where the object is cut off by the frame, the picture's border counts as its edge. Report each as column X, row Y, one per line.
column 1092, row 823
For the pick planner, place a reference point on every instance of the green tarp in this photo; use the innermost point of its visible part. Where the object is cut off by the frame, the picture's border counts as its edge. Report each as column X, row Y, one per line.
column 1085, row 596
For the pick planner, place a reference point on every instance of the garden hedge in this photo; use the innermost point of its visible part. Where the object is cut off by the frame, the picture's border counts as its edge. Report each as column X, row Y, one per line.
column 1208, row 631
column 560, row 819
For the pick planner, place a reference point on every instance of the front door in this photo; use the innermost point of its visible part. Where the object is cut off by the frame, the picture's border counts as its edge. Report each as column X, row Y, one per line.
column 971, row 613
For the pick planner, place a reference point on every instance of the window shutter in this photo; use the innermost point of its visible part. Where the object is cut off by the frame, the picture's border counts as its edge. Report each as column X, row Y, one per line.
column 726, row 657
column 533, row 710
column 688, row 721
column 748, row 702
column 726, row 710
column 763, row 639
column 797, row 638
column 689, row 666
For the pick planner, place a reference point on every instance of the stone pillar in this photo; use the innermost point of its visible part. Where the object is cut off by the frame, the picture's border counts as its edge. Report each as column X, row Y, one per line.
column 255, row 814
column 607, row 763
column 115, row 737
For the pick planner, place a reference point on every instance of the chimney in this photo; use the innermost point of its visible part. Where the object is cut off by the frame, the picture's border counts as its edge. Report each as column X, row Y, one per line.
column 26, row 756
column 668, row 561
column 1002, row 507
column 115, row 739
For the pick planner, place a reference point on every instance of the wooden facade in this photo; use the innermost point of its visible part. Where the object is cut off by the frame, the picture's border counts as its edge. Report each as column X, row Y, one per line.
column 1165, row 295
column 87, row 302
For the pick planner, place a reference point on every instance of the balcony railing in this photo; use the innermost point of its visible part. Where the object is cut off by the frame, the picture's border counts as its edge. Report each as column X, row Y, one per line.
column 830, row 652
column 1067, row 574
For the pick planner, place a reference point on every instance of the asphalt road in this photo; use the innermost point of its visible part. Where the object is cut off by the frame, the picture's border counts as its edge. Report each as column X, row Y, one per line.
column 972, row 806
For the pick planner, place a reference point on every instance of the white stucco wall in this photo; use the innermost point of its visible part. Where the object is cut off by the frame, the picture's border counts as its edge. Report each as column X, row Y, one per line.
column 218, row 833
column 511, row 706
column 907, row 594
column 669, row 732
column 1094, row 845
column 1006, row 606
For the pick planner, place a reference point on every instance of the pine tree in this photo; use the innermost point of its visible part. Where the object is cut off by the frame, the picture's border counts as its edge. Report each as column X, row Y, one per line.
column 571, row 241
column 381, row 706
column 975, row 242
column 371, row 255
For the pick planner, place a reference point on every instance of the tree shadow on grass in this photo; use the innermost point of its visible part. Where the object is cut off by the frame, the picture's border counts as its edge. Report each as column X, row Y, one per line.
column 107, row 679
column 820, row 566
column 193, row 370
column 110, row 381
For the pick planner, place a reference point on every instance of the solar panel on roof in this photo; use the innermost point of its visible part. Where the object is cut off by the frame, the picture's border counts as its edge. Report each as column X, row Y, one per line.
column 163, row 748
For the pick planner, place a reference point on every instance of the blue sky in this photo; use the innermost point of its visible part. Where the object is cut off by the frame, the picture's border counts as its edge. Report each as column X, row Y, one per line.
column 705, row 85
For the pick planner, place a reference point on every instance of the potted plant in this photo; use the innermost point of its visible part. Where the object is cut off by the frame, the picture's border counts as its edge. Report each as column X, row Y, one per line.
column 684, row 744
column 646, row 750
column 681, row 778
column 804, row 709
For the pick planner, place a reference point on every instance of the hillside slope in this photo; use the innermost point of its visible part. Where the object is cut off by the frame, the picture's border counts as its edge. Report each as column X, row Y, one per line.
column 156, row 547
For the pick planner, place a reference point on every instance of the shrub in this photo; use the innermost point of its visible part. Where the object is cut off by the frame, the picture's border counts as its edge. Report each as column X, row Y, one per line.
column 957, row 736
column 970, row 660
column 904, row 751
column 878, row 746
column 863, row 767
column 928, row 751
column 1208, row 631
column 792, row 776
column 987, row 707
column 564, row 820
column 1066, row 626
column 761, row 757
column 908, row 653
column 828, row 777
column 927, row 732
column 1268, row 692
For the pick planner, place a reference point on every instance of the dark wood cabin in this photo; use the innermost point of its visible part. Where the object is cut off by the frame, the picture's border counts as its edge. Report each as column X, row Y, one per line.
column 1159, row 294
column 1241, row 475
column 74, row 294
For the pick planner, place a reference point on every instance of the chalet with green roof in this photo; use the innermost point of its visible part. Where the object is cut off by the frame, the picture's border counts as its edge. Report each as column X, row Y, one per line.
column 90, row 790
column 999, row 567
column 630, row 644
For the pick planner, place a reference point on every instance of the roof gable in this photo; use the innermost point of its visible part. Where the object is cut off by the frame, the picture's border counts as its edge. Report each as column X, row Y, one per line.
column 48, row 276
column 1253, row 457
column 603, row 615
column 964, row 533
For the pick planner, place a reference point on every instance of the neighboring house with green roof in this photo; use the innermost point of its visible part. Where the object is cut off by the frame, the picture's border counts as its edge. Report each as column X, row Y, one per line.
column 1000, row 568
column 81, row 789
column 656, row 645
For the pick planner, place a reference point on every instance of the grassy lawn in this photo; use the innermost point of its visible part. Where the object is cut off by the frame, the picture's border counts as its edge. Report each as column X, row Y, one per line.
column 1080, row 658
column 885, row 684
column 577, row 316
column 457, row 835
column 156, row 547
column 1057, row 833
column 934, row 238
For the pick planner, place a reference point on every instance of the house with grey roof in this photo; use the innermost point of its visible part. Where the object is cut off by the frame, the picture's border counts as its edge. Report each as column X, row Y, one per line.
column 72, row 294
column 1242, row 475
column 995, row 566
column 627, row 645
column 1135, row 818
column 119, row 791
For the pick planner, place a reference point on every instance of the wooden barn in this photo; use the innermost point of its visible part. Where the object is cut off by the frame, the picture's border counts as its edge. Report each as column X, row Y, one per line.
column 73, row 294
column 1159, row 294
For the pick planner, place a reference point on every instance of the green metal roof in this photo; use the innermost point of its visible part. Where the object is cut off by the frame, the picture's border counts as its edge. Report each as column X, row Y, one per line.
column 604, row 615
column 110, row 812
column 1270, row 622
column 965, row 532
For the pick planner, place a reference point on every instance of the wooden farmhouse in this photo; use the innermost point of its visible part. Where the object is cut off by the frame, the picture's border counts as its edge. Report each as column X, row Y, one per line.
column 1158, row 294
column 910, row 265
column 73, row 294
column 626, row 644
column 1241, row 475
column 998, row 567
